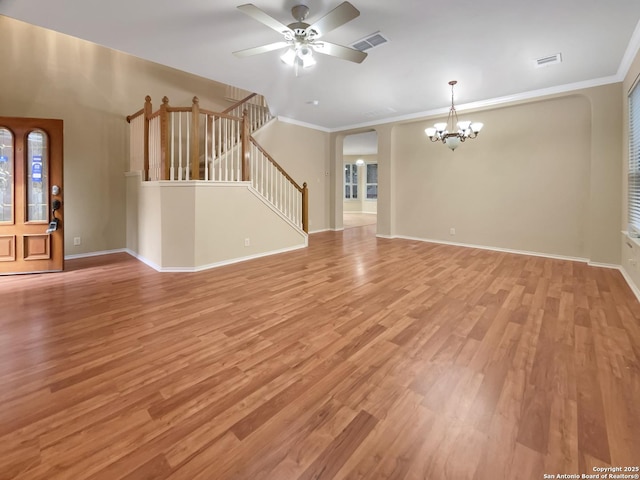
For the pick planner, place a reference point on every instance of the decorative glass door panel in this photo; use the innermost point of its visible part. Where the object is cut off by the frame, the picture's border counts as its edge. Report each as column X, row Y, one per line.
column 31, row 190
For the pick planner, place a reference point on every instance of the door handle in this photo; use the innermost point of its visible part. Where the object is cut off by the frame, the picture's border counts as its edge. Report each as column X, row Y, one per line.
column 53, row 226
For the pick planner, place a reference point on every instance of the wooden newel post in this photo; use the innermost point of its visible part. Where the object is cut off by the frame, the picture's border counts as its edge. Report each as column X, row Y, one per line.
column 246, row 156
column 147, row 115
column 195, row 139
column 164, row 139
column 305, row 208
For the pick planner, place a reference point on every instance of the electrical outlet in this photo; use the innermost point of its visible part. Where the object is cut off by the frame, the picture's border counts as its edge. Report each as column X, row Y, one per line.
column 77, row 241
column 452, row 231
column 247, row 242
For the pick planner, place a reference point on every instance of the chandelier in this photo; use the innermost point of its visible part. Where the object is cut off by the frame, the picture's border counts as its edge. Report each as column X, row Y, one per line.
column 445, row 133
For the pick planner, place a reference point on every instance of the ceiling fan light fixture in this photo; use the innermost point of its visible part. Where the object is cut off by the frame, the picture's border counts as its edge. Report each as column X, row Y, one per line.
column 301, row 38
column 289, row 57
column 308, row 61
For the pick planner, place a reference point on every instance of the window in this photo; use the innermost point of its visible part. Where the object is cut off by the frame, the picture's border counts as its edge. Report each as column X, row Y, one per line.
column 634, row 157
column 37, row 177
column 6, row 175
column 350, row 181
column 372, row 181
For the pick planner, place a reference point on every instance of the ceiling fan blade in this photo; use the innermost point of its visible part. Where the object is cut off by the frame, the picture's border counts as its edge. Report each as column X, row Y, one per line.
column 343, row 13
column 264, row 18
column 339, row 51
column 262, row 49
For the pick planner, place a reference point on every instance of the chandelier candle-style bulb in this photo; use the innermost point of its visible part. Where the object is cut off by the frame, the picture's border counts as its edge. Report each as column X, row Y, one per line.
column 444, row 131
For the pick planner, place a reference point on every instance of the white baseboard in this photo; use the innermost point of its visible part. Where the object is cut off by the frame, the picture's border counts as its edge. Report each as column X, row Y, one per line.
column 629, row 281
column 95, row 254
column 320, row 231
column 604, row 265
column 200, row 268
column 388, row 237
column 144, row 260
column 495, row 249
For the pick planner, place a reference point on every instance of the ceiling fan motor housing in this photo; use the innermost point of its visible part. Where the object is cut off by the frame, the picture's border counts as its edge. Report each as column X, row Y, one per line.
column 300, row 12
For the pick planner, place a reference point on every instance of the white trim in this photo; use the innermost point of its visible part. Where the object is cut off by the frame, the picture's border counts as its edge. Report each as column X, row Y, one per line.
column 497, row 249
column 319, row 231
column 627, row 59
column 629, row 54
column 490, row 102
column 604, row 265
column 293, row 121
column 388, row 237
column 212, row 265
column 96, row 254
column 193, row 183
column 629, row 281
column 483, row 104
column 147, row 262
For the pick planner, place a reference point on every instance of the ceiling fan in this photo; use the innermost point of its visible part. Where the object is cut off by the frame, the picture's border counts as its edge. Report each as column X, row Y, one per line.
column 302, row 39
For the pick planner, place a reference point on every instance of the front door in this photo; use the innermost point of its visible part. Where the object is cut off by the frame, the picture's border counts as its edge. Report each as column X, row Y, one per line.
column 31, row 207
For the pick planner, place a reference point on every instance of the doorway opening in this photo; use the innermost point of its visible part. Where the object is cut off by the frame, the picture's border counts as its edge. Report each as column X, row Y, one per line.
column 360, row 180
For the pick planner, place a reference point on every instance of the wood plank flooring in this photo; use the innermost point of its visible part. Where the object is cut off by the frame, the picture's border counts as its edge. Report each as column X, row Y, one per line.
column 355, row 358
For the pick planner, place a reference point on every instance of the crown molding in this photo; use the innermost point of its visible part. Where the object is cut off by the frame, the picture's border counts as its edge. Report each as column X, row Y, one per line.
column 303, row 124
column 491, row 102
column 630, row 54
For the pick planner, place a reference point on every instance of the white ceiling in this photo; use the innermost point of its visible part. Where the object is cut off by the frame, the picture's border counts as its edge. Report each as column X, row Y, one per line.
column 488, row 46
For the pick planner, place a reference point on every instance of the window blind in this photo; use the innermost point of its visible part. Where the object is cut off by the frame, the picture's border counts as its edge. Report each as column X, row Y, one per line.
column 634, row 157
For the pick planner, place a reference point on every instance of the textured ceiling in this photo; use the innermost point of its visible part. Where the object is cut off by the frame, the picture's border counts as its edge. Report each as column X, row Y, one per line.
column 489, row 47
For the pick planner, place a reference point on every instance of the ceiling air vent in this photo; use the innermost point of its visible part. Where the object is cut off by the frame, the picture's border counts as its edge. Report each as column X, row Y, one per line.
column 548, row 60
column 369, row 42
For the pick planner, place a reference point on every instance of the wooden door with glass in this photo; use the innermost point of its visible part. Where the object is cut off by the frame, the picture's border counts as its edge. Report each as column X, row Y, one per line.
column 31, row 193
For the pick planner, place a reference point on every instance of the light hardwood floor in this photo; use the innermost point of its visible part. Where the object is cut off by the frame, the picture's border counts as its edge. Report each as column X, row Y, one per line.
column 358, row 357
column 350, row 220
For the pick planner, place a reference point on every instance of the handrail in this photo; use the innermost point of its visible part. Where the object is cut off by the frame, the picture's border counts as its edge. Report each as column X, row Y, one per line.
column 239, row 103
column 134, row 115
column 275, row 164
column 221, row 115
column 228, row 148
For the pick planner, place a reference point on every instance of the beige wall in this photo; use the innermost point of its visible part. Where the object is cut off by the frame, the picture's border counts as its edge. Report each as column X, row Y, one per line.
column 92, row 89
column 194, row 225
column 523, row 184
column 303, row 153
column 543, row 176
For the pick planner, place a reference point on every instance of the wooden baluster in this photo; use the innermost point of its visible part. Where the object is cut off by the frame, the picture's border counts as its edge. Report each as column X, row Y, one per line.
column 164, row 139
column 195, row 139
column 305, row 208
column 147, row 114
column 245, row 146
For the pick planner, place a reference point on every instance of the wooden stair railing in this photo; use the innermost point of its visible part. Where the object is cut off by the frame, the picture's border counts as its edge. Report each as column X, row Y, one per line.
column 276, row 186
column 167, row 145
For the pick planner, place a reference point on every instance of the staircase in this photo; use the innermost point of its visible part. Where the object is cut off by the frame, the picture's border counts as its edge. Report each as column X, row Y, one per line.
column 190, row 143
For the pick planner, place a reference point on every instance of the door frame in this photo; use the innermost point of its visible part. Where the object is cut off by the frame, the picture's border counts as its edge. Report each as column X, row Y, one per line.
column 53, row 260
